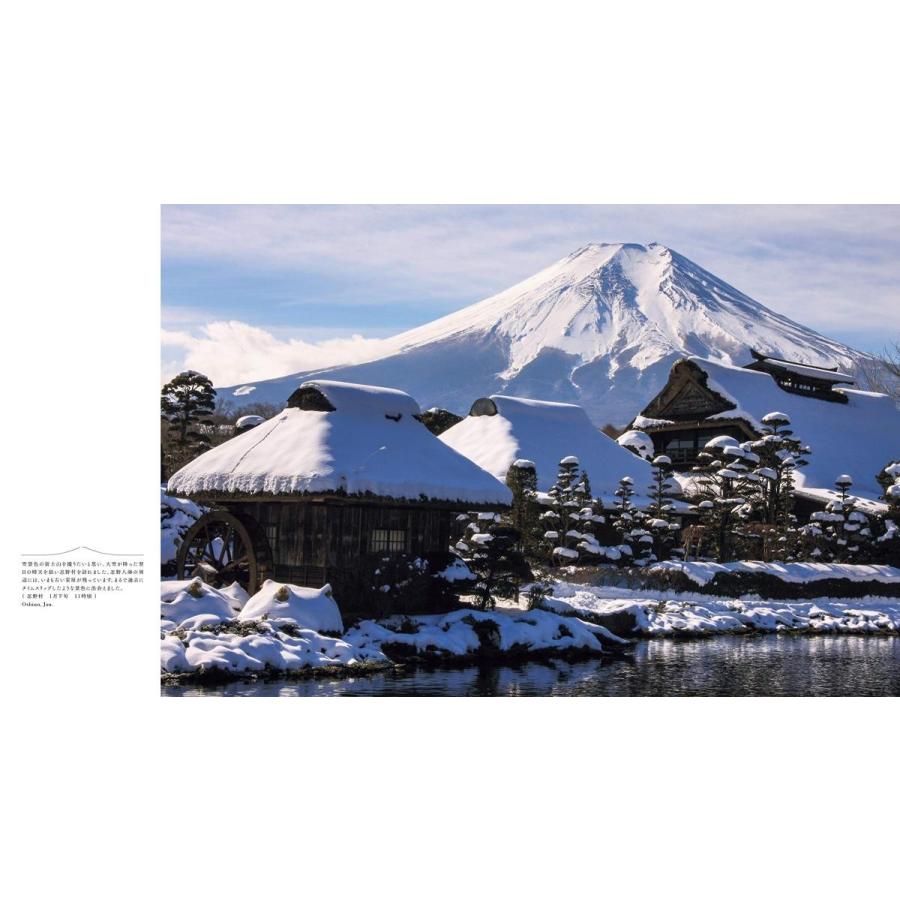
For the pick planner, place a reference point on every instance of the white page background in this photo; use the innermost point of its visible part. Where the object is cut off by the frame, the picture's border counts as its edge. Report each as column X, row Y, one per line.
column 115, row 108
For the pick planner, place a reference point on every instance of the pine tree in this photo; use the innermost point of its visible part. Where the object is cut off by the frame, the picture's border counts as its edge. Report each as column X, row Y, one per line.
column 187, row 403
column 637, row 542
column 562, row 535
column 588, row 518
column 489, row 549
column 842, row 530
column 722, row 492
column 659, row 511
column 521, row 479
column 777, row 454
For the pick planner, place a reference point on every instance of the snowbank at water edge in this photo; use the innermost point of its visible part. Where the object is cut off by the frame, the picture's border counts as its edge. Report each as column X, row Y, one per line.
column 280, row 630
column 667, row 613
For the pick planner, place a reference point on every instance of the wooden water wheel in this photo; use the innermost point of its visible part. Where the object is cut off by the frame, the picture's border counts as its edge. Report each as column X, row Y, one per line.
column 222, row 548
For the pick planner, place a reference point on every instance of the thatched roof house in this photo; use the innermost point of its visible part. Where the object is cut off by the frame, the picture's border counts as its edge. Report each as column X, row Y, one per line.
column 499, row 430
column 339, row 437
column 849, row 431
column 345, row 473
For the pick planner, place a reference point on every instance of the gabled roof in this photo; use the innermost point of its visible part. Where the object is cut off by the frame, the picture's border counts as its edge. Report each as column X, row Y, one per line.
column 499, row 430
column 857, row 438
column 814, row 372
column 335, row 436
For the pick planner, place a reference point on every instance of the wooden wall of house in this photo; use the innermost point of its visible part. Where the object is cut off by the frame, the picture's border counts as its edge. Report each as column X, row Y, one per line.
column 316, row 542
column 683, row 444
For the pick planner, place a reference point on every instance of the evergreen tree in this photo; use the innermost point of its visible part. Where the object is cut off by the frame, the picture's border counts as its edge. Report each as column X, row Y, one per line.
column 521, row 479
column 489, row 549
column 842, row 530
column 777, row 454
column 659, row 511
column 722, row 492
column 586, row 520
column 887, row 545
column 637, row 542
column 561, row 520
column 187, row 403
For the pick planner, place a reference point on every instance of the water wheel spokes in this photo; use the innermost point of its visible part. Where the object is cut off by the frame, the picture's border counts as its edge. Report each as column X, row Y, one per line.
column 220, row 549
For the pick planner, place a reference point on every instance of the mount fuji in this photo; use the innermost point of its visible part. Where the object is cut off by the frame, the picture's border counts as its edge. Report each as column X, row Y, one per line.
column 601, row 328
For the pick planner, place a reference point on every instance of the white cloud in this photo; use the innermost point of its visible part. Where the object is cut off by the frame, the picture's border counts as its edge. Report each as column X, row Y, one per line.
column 234, row 352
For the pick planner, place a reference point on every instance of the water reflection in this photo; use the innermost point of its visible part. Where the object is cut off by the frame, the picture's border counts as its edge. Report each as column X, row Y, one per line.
column 770, row 665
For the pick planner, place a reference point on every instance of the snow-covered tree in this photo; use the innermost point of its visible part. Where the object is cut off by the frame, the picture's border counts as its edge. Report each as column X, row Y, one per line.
column 841, row 531
column 887, row 545
column 562, row 518
column 489, row 549
column 636, row 541
column 722, row 493
column 776, row 456
column 589, row 518
column 662, row 493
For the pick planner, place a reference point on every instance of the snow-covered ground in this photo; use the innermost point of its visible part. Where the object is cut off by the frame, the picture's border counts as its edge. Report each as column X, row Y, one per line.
column 287, row 629
column 658, row 613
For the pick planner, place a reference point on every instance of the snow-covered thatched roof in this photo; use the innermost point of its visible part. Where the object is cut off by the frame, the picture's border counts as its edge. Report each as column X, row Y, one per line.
column 858, row 437
column 335, row 436
column 499, row 430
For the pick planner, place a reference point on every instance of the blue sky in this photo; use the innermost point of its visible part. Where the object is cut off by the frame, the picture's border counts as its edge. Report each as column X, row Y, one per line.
column 258, row 291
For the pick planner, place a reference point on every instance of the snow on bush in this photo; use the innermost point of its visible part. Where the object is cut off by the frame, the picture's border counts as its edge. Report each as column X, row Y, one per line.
column 176, row 516
column 457, row 570
column 639, row 442
column 312, row 608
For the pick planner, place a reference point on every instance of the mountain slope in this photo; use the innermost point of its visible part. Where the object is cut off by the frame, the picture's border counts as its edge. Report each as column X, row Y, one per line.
column 601, row 328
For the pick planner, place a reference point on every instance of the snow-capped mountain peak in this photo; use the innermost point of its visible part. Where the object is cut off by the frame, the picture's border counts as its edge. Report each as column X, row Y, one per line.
column 600, row 327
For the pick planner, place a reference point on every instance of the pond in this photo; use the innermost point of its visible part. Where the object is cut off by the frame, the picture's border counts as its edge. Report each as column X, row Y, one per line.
column 765, row 665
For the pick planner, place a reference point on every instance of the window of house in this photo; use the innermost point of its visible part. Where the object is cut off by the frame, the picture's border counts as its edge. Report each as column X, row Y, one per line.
column 681, row 450
column 387, row 540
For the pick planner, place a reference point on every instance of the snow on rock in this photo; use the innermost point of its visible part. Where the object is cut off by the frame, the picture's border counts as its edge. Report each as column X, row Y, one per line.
column 657, row 613
column 500, row 430
column 370, row 441
column 312, row 608
column 703, row 573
